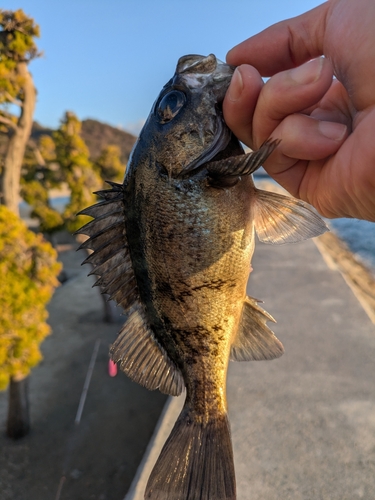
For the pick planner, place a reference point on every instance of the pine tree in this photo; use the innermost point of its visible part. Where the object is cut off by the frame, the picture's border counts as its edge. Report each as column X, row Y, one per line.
column 28, row 270
column 72, row 156
column 28, row 266
column 46, row 167
column 109, row 164
column 40, row 174
column 82, row 178
column 17, row 49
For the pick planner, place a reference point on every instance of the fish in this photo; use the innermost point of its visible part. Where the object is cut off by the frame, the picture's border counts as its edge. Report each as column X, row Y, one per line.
column 172, row 246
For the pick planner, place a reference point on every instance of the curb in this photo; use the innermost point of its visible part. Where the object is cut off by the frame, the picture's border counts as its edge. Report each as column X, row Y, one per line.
column 163, row 428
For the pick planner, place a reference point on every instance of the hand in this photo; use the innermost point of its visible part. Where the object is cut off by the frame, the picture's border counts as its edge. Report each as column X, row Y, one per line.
column 326, row 126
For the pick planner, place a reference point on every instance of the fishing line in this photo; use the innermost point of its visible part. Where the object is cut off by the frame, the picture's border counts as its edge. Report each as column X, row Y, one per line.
column 72, row 439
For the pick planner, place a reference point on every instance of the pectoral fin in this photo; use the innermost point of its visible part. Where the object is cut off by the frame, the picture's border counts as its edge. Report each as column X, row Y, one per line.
column 246, row 164
column 254, row 340
column 282, row 219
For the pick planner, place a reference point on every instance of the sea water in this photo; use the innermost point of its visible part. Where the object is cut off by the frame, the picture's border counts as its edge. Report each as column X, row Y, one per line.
column 359, row 235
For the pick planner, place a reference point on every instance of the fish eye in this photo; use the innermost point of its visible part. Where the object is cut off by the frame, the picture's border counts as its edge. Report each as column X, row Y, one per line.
column 170, row 105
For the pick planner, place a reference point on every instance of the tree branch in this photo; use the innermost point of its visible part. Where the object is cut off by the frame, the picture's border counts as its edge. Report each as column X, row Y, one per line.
column 8, row 122
column 38, row 156
column 12, row 99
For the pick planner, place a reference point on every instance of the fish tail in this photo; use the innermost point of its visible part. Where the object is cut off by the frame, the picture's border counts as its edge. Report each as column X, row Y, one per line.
column 196, row 462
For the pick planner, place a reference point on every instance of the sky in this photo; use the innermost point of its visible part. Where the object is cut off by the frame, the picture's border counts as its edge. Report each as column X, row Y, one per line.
column 108, row 60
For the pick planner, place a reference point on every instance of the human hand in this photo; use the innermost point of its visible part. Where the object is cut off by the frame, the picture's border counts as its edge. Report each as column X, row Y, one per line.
column 326, row 126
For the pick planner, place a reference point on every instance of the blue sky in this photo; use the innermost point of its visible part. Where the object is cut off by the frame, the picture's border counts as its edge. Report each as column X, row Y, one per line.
column 109, row 59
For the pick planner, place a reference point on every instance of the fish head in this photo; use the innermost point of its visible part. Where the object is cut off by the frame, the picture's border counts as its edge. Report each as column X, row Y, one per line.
column 185, row 128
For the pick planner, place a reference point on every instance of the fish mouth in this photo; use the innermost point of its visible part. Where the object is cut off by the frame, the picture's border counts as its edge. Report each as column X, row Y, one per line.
column 197, row 72
column 194, row 63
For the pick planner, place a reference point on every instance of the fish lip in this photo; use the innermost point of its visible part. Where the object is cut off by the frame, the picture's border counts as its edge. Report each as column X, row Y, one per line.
column 198, row 71
column 194, row 63
column 210, row 65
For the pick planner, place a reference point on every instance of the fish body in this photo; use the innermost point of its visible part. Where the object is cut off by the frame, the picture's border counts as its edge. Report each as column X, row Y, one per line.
column 193, row 246
column 173, row 245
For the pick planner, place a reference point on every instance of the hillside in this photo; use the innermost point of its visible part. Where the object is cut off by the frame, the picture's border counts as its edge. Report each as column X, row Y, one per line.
column 97, row 135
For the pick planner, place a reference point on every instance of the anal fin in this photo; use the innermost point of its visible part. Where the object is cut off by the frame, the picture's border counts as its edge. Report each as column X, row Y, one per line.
column 142, row 358
column 254, row 340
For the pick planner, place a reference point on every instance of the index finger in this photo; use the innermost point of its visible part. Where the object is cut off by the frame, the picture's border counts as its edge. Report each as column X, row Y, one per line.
column 284, row 45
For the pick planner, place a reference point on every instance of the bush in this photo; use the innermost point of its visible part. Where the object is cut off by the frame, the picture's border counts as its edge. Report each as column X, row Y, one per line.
column 28, row 270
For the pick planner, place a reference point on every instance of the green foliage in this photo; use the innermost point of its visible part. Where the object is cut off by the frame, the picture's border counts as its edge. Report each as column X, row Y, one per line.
column 47, row 150
column 50, row 220
column 28, row 270
column 109, row 164
column 20, row 30
column 17, row 45
column 40, row 173
column 34, row 192
column 78, row 172
column 63, row 159
column 60, row 160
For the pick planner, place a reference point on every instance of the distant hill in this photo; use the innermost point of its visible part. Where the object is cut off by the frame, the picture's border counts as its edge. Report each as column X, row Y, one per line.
column 96, row 135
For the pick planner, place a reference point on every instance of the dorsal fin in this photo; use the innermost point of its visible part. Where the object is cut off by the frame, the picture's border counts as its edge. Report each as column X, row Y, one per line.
column 254, row 340
column 136, row 349
column 110, row 257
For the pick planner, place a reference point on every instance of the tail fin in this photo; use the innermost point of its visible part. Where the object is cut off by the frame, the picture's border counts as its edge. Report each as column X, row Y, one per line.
column 196, row 462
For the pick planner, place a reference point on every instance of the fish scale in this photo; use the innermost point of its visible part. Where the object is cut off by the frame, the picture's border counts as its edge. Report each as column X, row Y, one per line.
column 200, row 278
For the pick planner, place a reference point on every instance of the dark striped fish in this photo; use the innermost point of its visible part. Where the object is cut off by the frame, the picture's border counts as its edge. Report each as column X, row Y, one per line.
column 173, row 247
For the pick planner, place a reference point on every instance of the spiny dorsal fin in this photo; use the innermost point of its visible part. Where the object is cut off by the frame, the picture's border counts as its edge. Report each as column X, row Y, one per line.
column 254, row 340
column 140, row 355
column 142, row 358
column 282, row 219
column 110, row 257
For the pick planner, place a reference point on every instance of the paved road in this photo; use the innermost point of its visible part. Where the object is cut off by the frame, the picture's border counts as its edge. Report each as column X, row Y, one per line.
column 303, row 426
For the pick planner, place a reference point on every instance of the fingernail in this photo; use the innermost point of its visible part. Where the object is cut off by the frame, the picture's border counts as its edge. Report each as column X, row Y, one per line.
column 332, row 130
column 236, row 86
column 308, row 72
